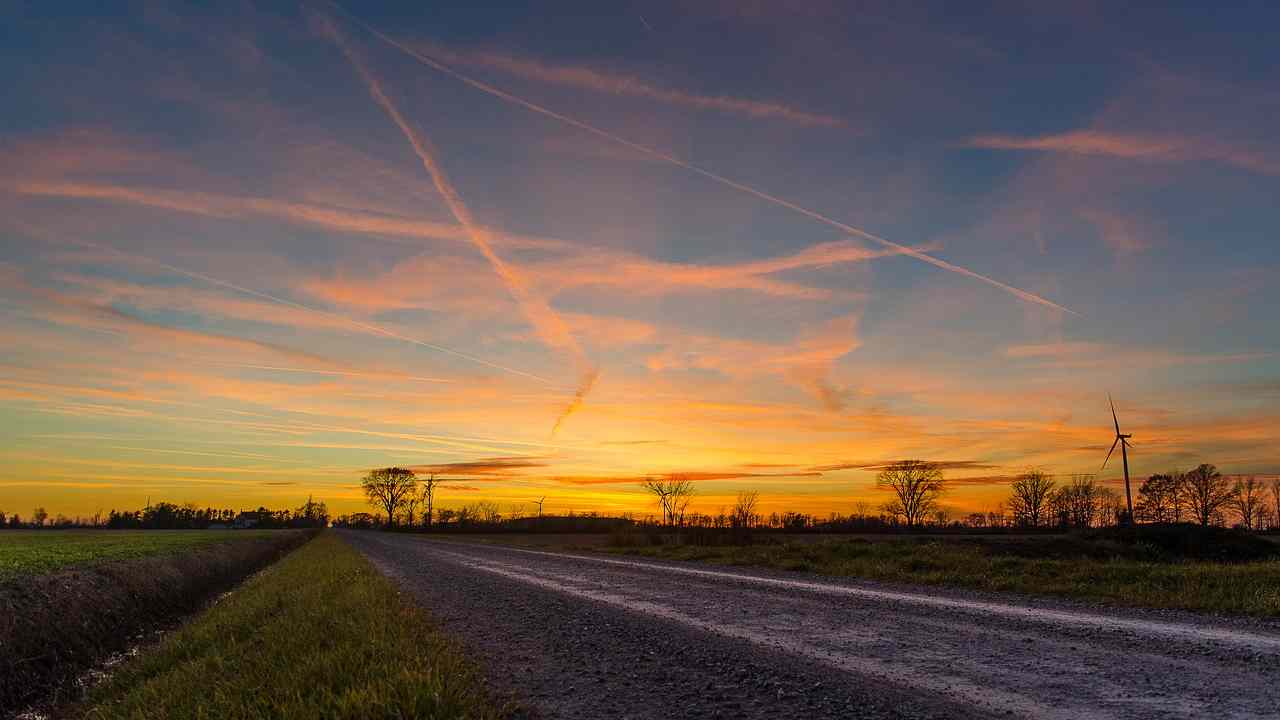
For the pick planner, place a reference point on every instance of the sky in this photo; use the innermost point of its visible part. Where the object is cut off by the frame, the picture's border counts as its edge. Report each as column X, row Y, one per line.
column 248, row 253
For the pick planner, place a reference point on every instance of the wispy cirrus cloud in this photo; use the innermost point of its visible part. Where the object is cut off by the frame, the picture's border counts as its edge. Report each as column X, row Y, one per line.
column 217, row 205
column 1136, row 146
column 805, row 361
column 601, row 81
column 1087, row 355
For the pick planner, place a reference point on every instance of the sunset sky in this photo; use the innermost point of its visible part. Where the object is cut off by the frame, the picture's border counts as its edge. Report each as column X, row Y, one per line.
column 247, row 254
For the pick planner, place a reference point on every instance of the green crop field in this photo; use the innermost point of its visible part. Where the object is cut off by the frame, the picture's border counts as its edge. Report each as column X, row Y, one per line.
column 33, row 552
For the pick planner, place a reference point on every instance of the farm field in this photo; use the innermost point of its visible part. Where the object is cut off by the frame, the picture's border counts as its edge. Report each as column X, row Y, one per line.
column 33, row 552
column 1028, row 566
column 323, row 629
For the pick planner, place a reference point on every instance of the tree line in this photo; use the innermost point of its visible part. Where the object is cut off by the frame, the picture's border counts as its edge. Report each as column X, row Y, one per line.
column 172, row 516
column 915, row 488
column 1202, row 495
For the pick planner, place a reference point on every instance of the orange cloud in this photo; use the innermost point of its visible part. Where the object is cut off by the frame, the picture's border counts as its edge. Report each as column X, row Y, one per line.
column 488, row 466
column 620, row 270
column 230, row 206
column 75, row 311
column 1135, row 146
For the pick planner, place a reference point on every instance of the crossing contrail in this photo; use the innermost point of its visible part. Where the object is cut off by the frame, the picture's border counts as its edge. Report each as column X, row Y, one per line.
column 367, row 327
column 545, row 320
column 728, row 182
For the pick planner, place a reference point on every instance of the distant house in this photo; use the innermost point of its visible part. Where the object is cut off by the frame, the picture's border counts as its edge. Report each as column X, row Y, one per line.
column 247, row 520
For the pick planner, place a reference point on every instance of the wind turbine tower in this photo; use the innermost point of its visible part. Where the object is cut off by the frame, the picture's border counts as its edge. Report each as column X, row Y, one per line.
column 1122, row 440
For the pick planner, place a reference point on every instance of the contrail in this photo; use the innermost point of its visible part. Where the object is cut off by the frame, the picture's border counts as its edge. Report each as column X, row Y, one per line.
column 299, row 306
column 588, row 382
column 728, row 182
column 546, row 322
column 543, row 318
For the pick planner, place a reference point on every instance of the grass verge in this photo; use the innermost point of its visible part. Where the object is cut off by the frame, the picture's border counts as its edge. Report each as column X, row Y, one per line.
column 33, row 552
column 1251, row 588
column 56, row 625
column 320, row 634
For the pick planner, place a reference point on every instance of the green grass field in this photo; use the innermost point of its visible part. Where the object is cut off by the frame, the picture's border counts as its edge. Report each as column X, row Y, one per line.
column 1244, row 588
column 320, row 634
column 34, row 552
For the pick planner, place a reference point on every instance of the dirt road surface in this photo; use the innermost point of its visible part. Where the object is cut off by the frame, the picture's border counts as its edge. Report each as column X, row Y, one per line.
column 586, row 636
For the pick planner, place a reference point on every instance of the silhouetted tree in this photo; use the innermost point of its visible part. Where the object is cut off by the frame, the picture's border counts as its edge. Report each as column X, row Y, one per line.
column 674, row 495
column 310, row 514
column 744, row 510
column 484, row 512
column 389, row 488
column 1029, row 497
column 916, row 487
column 357, row 521
column 1080, row 504
column 1160, row 498
column 1206, row 493
column 410, row 508
column 1275, row 500
column 1248, row 502
column 38, row 516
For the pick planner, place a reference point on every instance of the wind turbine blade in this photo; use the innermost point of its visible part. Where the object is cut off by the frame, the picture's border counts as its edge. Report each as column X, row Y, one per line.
column 1113, row 413
column 1113, row 449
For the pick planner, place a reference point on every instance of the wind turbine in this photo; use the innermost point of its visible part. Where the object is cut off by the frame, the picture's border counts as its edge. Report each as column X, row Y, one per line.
column 1122, row 440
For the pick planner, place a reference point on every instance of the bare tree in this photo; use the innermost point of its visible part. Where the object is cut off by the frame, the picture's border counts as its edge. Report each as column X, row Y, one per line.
column 1248, row 502
column 1206, row 493
column 916, row 487
column 389, row 488
column 1275, row 500
column 998, row 516
column 1077, row 504
column 428, row 498
column 744, row 510
column 1029, row 497
column 409, row 508
column 673, row 494
column 1160, row 498
column 1112, row 507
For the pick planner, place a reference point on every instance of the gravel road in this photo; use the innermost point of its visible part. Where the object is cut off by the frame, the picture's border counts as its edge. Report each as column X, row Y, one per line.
column 584, row 636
